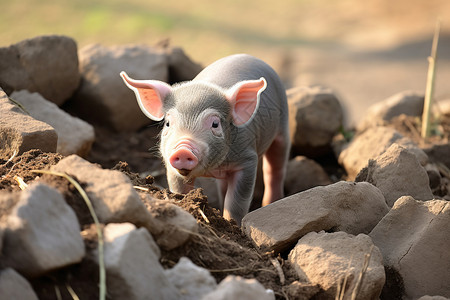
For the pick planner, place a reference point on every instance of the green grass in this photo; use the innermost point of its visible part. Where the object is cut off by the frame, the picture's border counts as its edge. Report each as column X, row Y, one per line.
column 205, row 29
column 208, row 29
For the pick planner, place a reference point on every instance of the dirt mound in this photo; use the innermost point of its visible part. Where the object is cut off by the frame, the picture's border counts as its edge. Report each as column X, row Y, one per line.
column 219, row 246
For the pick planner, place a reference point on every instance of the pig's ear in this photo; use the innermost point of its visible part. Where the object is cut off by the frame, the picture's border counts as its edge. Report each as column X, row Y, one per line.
column 244, row 99
column 150, row 95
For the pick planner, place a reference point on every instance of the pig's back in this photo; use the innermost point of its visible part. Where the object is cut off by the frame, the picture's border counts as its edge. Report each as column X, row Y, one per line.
column 272, row 115
column 231, row 69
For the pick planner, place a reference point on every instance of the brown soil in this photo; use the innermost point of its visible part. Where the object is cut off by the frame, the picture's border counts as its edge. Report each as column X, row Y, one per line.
column 220, row 246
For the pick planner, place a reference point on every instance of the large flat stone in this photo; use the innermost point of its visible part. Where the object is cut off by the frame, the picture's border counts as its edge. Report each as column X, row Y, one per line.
column 75, row 136
column 344, row 206
column 19, row 132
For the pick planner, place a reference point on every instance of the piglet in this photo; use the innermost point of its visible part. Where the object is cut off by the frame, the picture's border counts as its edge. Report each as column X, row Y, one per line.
column 218, row 125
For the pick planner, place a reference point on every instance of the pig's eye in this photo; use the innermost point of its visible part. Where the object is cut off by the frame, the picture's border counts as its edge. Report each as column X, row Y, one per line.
column 214, row 123
column 167, row 123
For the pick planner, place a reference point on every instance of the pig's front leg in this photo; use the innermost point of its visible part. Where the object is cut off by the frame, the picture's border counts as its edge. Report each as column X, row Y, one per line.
column 240, row 186
column 178, row 184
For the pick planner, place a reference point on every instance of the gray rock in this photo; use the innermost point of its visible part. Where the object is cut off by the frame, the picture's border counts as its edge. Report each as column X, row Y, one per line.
column 302, row 174
column 315, row 116
column 42, row 232
column 19, row 132
column 372, row 143
column 236, row 287
column 103, row 90
column 181, row 67
column 344, row 206
column 433, row 298
column 413, row 238
column 434, row 176
column 14, row 286
column 407, row 102
column 75, row 136
column 111, row 193
column 301, row 290
column 177, row 224
column 45, row 64
column 397, row 173
column 191, row 281
column 327, row 258
column 116, row 230
column 438, row 153
column 132, row 267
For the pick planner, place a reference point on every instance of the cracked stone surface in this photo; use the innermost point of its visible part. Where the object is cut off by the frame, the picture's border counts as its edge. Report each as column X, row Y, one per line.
column 413, row 238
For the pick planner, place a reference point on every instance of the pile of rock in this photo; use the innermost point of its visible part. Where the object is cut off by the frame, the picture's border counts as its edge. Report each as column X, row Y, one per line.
column 389, row 213
column 385, row 228
column 41, row 233
column 44, row 73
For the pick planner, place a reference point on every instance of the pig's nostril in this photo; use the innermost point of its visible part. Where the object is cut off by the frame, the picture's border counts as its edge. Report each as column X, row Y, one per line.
column 183, row 159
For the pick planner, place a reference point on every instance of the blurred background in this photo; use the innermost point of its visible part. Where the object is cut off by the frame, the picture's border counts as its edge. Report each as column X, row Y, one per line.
column 365, row 51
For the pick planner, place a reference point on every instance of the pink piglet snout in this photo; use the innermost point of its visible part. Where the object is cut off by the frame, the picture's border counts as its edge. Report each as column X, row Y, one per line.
column 183, row 159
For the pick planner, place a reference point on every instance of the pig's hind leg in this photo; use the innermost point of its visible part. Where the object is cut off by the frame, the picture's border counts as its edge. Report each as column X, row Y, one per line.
column 274, row 168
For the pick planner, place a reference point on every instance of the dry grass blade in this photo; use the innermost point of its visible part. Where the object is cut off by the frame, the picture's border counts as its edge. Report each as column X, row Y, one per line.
column 338, row 290
column 361, row 274
column 58, row 293
column 413, row 129
column 20, row 182
column 211, row 230
column 102, row 294
column 72, row 292
column 140, row 188
column 430, row 83
column 280, row 272
column 341, row 288
column 204, row 216
column 11, row 158
column 19, row 105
